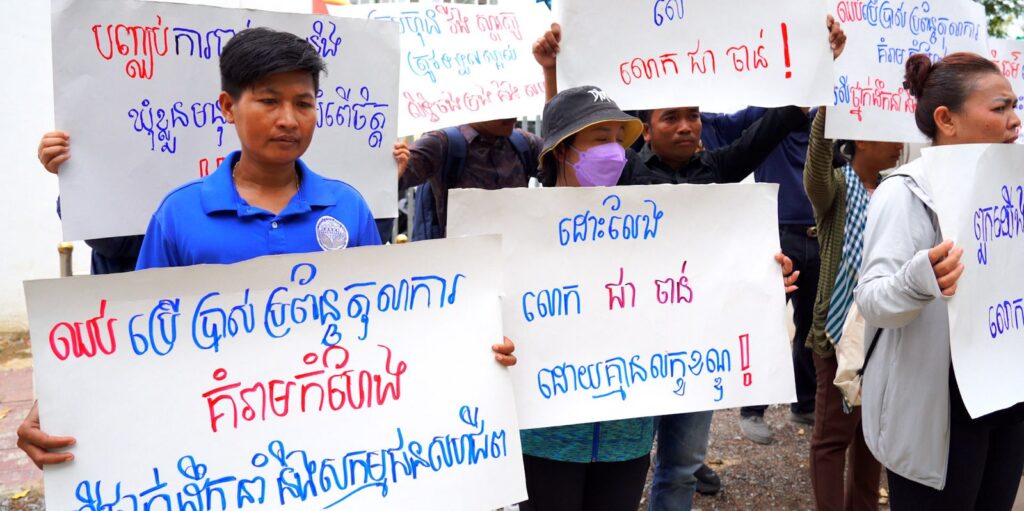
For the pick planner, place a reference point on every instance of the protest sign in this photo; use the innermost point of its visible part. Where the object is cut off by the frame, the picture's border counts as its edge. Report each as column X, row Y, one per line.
column 631, row 302
column 1008, row 56
column 978, row 192
column 868, row 95
column 136, row 85
column 463, row 63
column 308, row 381
column 717, row 54
column 292, row 6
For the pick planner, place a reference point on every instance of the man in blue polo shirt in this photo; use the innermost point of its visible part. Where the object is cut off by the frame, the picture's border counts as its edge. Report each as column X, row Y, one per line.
column 210, row 221
column 262, row 200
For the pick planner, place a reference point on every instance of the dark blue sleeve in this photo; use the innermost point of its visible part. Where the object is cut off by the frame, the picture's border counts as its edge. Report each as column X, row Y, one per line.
column 728, row 128
column 117, row 247
column 736, row 161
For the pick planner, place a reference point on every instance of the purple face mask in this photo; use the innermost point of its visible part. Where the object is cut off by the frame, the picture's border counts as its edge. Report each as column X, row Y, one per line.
column 600, row 165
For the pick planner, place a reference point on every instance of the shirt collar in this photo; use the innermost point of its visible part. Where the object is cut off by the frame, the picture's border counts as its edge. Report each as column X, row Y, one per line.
column 649, row 158
column 218, row 191
column 472, row 135
column 469, row 132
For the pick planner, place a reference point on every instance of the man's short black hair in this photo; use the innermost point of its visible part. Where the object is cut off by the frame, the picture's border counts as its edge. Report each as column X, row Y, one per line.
column 644, row 115
column 256, row 53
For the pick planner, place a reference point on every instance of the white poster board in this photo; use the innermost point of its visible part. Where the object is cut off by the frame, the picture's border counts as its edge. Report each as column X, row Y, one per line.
column 721, row 55
column 136, row 85
column 311, row 381
column 292, row 6
column 1008, row 55
column 463, row 63
column 868, row 95
column 637, row 301
column 978, row 191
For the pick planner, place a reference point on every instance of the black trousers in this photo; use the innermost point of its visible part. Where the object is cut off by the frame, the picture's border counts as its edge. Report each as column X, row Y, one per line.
column 563, row 486
column 986, row 457
column 804, row 252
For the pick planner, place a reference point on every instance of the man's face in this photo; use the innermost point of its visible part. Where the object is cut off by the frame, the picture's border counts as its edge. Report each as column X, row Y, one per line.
column 496, row 128
column 274, row 118
column 674, row 134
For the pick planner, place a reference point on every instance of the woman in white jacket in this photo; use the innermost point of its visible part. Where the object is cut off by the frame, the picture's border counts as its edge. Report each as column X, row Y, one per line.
column 914, row 419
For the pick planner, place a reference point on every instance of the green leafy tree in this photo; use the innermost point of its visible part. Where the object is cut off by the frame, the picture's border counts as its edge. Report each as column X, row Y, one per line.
column 1002, row 14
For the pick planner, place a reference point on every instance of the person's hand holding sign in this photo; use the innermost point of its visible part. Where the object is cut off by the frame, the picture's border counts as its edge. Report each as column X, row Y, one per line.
column 38, row 445
column 789, row 277
column 401, row 154
column 836, row 37
column 54, row 150
column 945, row 259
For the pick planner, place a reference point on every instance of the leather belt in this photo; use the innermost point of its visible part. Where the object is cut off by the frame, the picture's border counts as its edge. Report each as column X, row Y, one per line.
column 809, row 231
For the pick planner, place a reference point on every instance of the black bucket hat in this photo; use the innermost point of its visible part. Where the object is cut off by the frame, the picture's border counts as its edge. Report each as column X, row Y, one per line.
column 578, row 108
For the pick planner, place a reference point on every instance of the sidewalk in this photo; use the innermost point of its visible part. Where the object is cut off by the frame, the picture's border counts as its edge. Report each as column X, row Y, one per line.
column 17, row 473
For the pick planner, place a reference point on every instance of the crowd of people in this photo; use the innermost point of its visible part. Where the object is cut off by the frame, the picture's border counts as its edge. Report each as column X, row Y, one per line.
column 848, row 237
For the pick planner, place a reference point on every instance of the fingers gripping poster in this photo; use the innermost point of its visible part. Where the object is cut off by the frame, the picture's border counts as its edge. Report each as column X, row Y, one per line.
column 312, row 381
column 637, row 301
column 136, row 87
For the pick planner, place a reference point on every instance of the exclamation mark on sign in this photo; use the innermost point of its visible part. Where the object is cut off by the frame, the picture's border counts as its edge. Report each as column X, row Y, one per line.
column 785, row 49
column 745, row 359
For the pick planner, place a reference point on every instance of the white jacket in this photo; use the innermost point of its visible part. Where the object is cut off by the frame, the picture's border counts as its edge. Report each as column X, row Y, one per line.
column 905, row 410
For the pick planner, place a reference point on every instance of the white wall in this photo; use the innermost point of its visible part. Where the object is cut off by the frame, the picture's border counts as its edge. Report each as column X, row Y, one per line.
column 29, row 228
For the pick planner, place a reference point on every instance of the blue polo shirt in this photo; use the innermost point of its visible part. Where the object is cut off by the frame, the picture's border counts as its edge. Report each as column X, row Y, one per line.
column 206, row 221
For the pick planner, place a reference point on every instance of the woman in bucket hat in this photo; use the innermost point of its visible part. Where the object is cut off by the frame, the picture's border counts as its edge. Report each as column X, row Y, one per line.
column 601, row 465
column 586, row 136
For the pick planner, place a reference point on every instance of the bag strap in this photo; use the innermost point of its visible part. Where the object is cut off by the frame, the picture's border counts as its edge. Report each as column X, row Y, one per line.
column 871, row 349
column 522, row 147
column 455, row 158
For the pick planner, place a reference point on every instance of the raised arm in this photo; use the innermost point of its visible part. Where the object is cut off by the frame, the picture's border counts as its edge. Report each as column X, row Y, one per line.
column 721, row 130
column 738, row 160
column 545, row 50
column 820, row 180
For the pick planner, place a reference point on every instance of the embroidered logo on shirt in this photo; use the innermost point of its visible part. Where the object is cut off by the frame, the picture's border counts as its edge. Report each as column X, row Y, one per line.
column 331, row 234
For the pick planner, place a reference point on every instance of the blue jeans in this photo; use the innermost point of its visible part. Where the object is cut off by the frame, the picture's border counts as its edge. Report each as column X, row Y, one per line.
column 682, row 446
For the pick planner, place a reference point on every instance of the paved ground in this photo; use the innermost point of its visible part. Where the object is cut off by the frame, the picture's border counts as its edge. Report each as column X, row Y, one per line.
column 17, row 473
